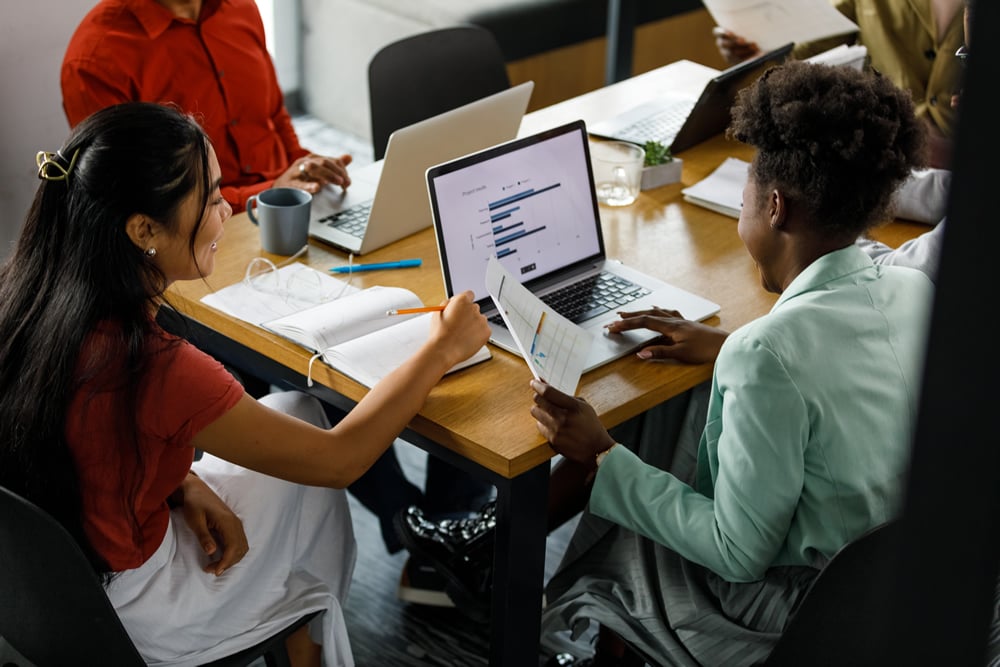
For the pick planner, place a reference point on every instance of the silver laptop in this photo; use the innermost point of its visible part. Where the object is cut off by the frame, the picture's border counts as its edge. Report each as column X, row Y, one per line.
column 387, row 200
column 681, row 121
column 532, row 203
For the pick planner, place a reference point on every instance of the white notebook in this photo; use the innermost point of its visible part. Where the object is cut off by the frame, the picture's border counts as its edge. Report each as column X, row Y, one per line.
column 722, row 190
column 356, row 335
column 346, row 326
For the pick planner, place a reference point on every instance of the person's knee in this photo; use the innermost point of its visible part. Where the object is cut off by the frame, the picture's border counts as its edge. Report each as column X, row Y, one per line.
column 299, row 405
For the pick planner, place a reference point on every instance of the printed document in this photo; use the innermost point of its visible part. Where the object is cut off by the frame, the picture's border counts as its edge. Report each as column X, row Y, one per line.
column 555, row 349
column 771, row 23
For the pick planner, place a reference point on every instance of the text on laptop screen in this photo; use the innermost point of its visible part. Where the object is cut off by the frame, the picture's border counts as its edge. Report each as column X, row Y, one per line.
column 532, row 207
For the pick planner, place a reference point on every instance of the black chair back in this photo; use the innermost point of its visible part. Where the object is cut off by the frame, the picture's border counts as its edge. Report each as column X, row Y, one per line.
column 53, row 609
column 838, row 613
column 429, row 73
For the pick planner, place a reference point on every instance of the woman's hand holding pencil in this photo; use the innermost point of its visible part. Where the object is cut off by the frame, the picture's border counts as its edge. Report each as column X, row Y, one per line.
column 411, row 311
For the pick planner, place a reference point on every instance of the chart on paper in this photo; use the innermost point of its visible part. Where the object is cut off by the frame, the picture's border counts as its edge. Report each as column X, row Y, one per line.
column 554, row 348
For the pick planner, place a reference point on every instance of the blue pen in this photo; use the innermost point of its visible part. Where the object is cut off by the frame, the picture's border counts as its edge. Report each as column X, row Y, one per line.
column 401, row 264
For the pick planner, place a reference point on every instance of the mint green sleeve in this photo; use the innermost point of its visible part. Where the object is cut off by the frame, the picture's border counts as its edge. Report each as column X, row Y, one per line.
column 752, row 450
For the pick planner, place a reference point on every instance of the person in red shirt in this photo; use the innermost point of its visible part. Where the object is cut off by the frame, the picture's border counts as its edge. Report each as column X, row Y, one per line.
column 209, row 58
column 101, row 410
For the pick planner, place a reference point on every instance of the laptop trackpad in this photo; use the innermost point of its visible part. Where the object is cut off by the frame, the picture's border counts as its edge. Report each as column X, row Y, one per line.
column 608, row 346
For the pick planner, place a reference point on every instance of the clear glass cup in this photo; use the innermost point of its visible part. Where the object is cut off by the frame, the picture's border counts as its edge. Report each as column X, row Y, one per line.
column 617, row 171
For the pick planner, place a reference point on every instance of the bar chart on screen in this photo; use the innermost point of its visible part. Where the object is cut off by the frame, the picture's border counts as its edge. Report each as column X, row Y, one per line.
column 554, row 348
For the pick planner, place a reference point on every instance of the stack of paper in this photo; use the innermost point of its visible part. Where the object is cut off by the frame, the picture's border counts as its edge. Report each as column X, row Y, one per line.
column 722, row 190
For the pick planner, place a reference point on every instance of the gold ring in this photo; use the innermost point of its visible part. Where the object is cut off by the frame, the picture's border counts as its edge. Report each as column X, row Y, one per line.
column 302, row 167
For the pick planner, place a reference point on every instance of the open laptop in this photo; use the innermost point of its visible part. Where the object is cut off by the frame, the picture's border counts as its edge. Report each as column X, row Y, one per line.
column 681, row 121
column 387, row 200
column 532, row 203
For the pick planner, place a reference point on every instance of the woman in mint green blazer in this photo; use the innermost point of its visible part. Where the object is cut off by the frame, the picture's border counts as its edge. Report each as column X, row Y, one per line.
column 806, row 435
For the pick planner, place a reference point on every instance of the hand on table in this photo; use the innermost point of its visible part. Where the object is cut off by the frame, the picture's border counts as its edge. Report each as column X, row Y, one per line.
column 680, row 339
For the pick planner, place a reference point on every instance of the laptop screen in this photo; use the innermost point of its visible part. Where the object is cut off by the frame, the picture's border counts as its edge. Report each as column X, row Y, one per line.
column 529, row 202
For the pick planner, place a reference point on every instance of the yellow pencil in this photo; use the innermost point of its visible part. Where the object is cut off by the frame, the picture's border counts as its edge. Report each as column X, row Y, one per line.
column 410, row 311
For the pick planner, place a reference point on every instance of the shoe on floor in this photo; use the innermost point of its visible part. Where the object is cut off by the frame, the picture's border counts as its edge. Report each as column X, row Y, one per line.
column 420, row 583
column 460, row 549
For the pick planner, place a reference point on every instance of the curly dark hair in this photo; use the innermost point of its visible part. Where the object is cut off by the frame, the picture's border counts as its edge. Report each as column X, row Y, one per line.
column 836, row 141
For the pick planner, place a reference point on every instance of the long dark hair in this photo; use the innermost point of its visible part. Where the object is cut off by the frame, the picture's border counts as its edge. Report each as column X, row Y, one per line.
column 74, row 266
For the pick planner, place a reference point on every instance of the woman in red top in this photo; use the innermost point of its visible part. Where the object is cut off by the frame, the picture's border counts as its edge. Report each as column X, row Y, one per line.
column 100, row 409
column 209, row 58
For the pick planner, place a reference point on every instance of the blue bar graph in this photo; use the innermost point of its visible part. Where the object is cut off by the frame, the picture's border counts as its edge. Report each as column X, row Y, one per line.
column 500, row 229
column 504, row 214
column 524, row 194
column 517, row 235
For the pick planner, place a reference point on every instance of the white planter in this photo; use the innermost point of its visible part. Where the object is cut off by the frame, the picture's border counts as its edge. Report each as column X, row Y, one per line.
column 661, row 174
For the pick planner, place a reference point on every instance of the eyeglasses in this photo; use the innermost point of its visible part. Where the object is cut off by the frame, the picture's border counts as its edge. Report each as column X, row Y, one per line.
column 262, row 275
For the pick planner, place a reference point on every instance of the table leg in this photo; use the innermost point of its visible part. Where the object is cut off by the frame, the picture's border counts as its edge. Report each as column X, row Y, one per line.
column 519, row 568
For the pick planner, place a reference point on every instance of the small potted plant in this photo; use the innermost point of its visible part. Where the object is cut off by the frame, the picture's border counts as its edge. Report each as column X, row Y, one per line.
column 660, row 167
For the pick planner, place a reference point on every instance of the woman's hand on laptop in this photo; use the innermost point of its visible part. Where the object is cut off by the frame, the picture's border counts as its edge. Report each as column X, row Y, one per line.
column 680, row 339
column 312, row 172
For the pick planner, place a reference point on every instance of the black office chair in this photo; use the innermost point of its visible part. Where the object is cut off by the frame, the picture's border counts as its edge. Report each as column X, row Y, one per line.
column 838, row 611
column 53, row 609
column 429, row 73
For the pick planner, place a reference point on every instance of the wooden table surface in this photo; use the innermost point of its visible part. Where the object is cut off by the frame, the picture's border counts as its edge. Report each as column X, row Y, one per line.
column 482, row 412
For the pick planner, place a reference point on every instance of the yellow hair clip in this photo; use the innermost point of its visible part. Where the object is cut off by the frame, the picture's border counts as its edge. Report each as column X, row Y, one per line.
column 47, row 162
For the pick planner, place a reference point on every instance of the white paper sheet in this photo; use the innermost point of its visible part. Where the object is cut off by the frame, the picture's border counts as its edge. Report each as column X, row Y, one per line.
column 722, row 190
column 771, row 23
column 554, row 348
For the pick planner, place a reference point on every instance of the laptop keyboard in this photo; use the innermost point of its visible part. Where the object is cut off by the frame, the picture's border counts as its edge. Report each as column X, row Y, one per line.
column 351, row 221
column 590, row 297
column 660, row 126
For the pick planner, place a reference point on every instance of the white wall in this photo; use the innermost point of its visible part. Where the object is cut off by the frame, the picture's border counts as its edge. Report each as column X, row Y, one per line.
column 282, row 29
column 33, row 37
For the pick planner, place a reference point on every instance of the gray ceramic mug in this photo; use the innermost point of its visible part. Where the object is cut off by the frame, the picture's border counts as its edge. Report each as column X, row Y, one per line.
column 283, row 217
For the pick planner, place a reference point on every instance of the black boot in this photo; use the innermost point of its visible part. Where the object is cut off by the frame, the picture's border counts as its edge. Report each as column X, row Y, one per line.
column 460, row 549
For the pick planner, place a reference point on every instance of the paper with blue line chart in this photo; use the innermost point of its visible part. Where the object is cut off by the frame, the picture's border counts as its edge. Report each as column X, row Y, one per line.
column 555, row 349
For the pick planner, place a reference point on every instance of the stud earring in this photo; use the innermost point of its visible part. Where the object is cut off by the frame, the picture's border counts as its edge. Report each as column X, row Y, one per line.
column 150, row 252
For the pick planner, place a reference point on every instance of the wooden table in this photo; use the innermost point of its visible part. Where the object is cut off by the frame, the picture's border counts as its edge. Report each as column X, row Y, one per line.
column 478, row 418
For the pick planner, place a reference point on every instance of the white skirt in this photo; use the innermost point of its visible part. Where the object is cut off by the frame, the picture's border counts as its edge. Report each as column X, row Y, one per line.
column 301, row 559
